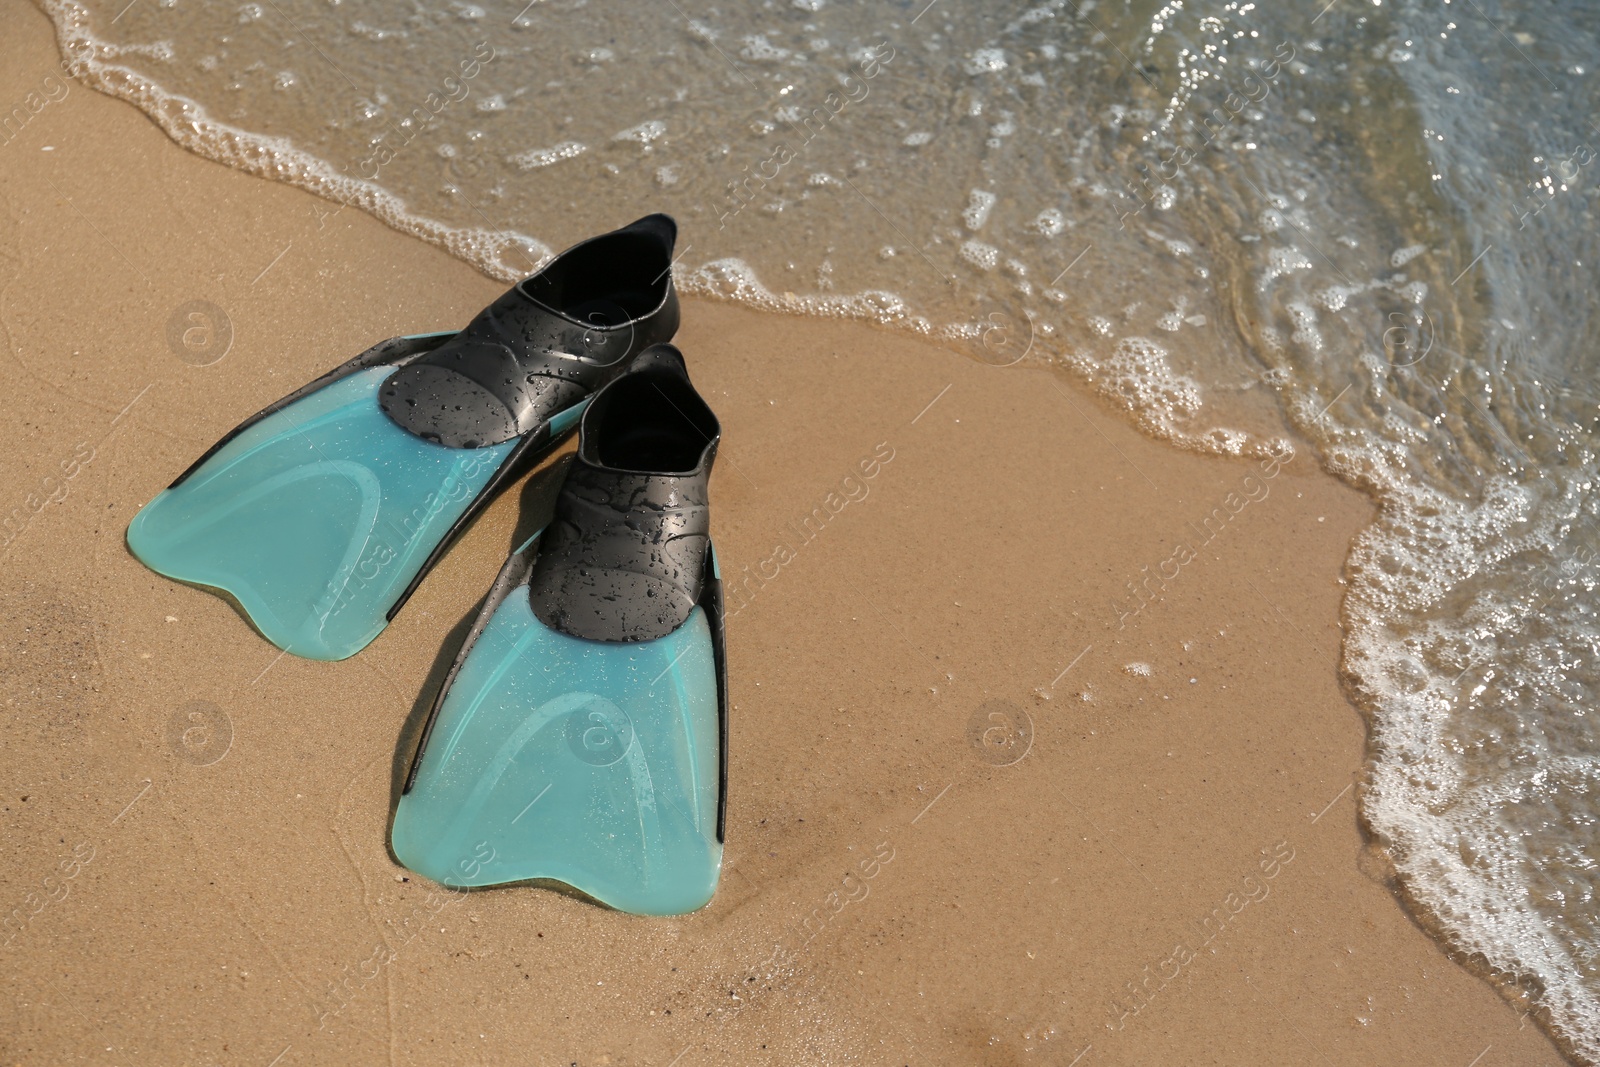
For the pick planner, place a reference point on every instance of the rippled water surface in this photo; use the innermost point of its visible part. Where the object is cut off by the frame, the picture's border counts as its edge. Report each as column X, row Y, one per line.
column 1373, row 223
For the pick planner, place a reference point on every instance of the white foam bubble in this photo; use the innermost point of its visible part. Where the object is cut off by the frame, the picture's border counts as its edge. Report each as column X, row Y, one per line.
column 736, row 280
column 986, row 61
column 1049, row 222
column 979, row 203
column 1304, row 317
column 1401, row 256
column 1282, row 262
column 535, row 158
column 758, row 48
column 1139, row 378
column 980, row 255
column 646, row 133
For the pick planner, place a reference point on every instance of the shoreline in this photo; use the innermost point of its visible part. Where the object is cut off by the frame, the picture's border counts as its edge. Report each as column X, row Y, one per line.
column 885, row 678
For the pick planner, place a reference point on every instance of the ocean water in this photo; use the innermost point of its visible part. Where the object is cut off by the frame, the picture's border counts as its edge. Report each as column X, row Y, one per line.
column 1369, row 221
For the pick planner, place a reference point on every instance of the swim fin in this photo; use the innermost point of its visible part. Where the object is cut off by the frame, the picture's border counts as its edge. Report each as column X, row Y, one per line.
column 581, row 734
column 321, row 514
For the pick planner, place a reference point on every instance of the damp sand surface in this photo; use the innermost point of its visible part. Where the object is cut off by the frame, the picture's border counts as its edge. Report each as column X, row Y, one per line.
column 987, row 806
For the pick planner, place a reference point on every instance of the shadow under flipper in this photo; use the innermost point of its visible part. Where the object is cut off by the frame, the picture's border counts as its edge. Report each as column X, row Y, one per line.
column 535, row 508
column 549, row 885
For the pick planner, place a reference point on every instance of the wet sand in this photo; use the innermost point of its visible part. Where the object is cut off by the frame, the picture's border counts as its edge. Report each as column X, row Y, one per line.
column 986, row 805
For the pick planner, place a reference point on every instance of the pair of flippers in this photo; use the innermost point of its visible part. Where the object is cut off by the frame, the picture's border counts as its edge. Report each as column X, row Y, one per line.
column 581, row 733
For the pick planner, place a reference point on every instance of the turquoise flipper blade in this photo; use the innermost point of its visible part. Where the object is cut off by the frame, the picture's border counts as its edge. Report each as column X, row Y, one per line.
column 592, row 763
column 316, row 518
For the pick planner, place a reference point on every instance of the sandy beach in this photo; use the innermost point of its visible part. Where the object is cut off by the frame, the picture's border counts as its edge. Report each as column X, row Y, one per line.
column 1039, row 752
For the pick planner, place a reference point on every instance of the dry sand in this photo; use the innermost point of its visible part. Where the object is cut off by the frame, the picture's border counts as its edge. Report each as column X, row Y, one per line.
column 1172, row 872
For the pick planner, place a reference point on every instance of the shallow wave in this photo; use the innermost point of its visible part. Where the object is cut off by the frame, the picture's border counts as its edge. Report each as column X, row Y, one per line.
column 497, row 253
